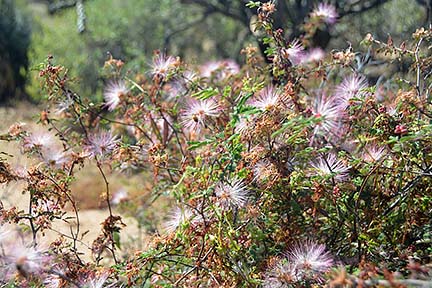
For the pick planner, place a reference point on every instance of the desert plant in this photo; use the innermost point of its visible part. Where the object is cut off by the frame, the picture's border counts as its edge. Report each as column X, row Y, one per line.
column 294, row 173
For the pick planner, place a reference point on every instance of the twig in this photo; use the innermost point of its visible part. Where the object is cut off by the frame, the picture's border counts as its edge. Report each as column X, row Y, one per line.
column 107, row 191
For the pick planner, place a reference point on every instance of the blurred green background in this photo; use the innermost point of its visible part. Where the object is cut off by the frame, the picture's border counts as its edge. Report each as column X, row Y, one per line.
column 196, row 30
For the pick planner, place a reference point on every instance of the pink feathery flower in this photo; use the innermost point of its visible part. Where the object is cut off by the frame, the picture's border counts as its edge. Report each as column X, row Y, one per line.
column 119, row 197
column 179, row 86
column 5, row 231
column 326, row 12
column 373, row 153
column 314, row 55
column 97, row 281
column 244, row 124
column 64, row 105
column 39, row 140
column 329, row 114
column 282, row 274
column 53, row 281
column 233, row 195
column 264, row 171
column 331, row 166
column 113, row 92
column 295, row 52
column 54, row 156
column 351, row 87
column 177, row 218
column 311, row 260
column 303, row 262
column 268, row 98
column 220, row 69
column 209, row 68
column 24, row 259
column 231, row 66
column 162, row 65
column 101, row 143
column 189, row 77
column 197, row 112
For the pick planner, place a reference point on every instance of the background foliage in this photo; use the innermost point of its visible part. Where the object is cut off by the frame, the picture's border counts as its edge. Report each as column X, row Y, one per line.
column 132, row 30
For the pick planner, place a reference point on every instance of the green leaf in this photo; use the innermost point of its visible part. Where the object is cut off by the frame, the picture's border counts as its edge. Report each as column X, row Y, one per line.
column 116, row 237
column 253, row 4
column 196, row 144
column 205, row 94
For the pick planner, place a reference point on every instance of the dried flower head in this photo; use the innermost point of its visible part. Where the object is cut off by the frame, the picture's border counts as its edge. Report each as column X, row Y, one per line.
column 114, row 90
column 16, row 129
column 232, row 195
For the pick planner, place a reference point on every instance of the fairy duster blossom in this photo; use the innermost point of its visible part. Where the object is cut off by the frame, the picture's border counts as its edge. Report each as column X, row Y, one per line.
column 39, row 140
column 197, row 112
column 100, row 144
column 232, row 195
column 5, row 231
column 351, row 87
column 24, row 259
column 177, row 218
column 162, row 65
column 95, row 281
column 119, row 196
column 310, row 259
column 219, row 69
column 64, row 105
column 373, row 153
column 54, row 156
column 304, row 262
column 280, row 275
column 328, row 114
column 295, row 52
column 264, row 171
column 244, row 124
column 113, row 92
column 326, row 12
column 313, row 55
column 329, row 165
column 267, row 99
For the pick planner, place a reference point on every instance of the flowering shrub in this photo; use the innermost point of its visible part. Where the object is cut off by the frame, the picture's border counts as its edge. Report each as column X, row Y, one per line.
column 294, row 173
